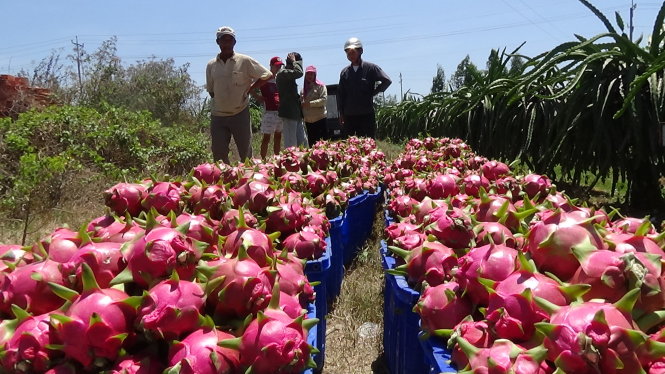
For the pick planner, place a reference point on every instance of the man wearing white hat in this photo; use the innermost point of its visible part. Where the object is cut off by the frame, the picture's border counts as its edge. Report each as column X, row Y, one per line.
column 230, row 77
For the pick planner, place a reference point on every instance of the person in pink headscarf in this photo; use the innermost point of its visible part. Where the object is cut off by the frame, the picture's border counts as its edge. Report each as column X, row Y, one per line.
column 314, row 96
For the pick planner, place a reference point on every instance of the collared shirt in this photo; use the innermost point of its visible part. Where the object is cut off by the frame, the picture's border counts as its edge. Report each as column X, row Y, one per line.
column 356, row 90
column 230, row 82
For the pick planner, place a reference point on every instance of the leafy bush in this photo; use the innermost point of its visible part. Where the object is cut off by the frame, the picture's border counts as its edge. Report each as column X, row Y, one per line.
column 40, row 151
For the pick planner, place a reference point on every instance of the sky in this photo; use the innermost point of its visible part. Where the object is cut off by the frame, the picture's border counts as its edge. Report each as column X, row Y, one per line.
column 407, row 39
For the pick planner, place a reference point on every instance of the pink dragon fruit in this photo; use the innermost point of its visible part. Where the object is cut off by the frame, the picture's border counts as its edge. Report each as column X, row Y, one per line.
column 125, row 198
column 494, row 232
column 207, row 172
column 59, row 245
column 594, row 337
column 157, row 254
column 473, row 183
column 164, row 197
column 493, row 262
column 316, row 182
column 28, row 287
column 442, row 186
column 551, row 242
column 200, row 353
column 292, row 279
column 199, row 227
column 114, row 229
column 209, row 199
column 403, row 206
column 274, row 343
column 104, row 258
column 257, row 194
column 172, row 308
column 255, row 242
column 431, row 262
column 285, row 218
column 477, row 333
column 137, row 364
column 231, row 220
column 97, row 324
column 534, row 184
column 492, row 170
column 453, row 229
column 504, row 357
column 27, row 348
column 441, row 307
column 306, row 244
column 238, row 287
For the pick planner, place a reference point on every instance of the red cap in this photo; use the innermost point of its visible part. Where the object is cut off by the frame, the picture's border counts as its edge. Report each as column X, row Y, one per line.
column 276, row 61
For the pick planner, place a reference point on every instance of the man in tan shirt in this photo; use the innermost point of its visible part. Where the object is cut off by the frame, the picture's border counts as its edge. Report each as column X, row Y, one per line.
column 230, row 76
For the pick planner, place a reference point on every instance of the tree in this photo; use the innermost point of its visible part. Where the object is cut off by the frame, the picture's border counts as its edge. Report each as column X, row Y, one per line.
column 464, row 75
column 516, row 66
column 439, row 80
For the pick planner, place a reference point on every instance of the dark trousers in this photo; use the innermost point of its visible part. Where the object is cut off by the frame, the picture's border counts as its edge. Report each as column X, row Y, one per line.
column 316, row 131
column 363, row 125
column 222, row 129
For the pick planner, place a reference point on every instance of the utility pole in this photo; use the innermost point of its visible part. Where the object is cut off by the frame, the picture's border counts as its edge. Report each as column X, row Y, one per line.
column 78, row 62
column 632, row 10
column 401, row 94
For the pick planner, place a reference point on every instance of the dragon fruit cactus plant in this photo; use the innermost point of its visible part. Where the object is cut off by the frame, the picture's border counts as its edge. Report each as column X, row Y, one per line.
column 200, row 353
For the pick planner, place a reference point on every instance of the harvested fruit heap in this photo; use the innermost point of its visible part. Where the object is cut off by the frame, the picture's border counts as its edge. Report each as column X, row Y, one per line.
column 517, row 277
column 203, row 275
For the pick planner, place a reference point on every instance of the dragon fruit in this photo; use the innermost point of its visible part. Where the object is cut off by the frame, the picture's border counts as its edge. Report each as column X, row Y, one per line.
column 494, row 262
column 164, row 197
column 306, row 244
column 27, row 348
column 137, row 364
column 199, row 227
column 209, row 199
column 59, row 245
column 442, row 186
column 257, row 194
column 493, row 170
column 230, row 221
column 157, row 254
column 104, row 258
column 96, row 325
column 111, row 228
column 207, row 172
column 551, row 243
column 274, row 343
column 254, row 242
column 28, row 287
column 494, row 232
column 441, row 307
column 477, row 333
column 534, row 184
column 172, row 308
column 292, row 279
column 431, row 262
column 285, row 218
column 238, row 287
column 593, row 336
column 125, row 198
column 454, row 229
column 473, row 183
column 505, row 357
column 200, row 353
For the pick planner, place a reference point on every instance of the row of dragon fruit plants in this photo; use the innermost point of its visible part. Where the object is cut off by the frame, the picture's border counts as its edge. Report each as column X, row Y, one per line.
column 202, row 275
column 515, row 276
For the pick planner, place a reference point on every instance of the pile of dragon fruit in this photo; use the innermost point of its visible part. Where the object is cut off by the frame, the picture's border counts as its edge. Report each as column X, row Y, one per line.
column 201, row 275
column 517, row 277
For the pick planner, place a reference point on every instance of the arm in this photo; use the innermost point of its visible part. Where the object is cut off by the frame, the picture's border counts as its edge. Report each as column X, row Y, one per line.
column 323, row 97
column 209, row 82
column 340, row 97
column 384, row 79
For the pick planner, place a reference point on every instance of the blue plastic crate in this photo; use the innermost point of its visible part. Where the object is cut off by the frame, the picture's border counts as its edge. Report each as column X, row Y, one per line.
column 312, row 337
column 317, row 270
column 352, row 236
column 437, row 355
column 401, row 327
column 336, row 273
